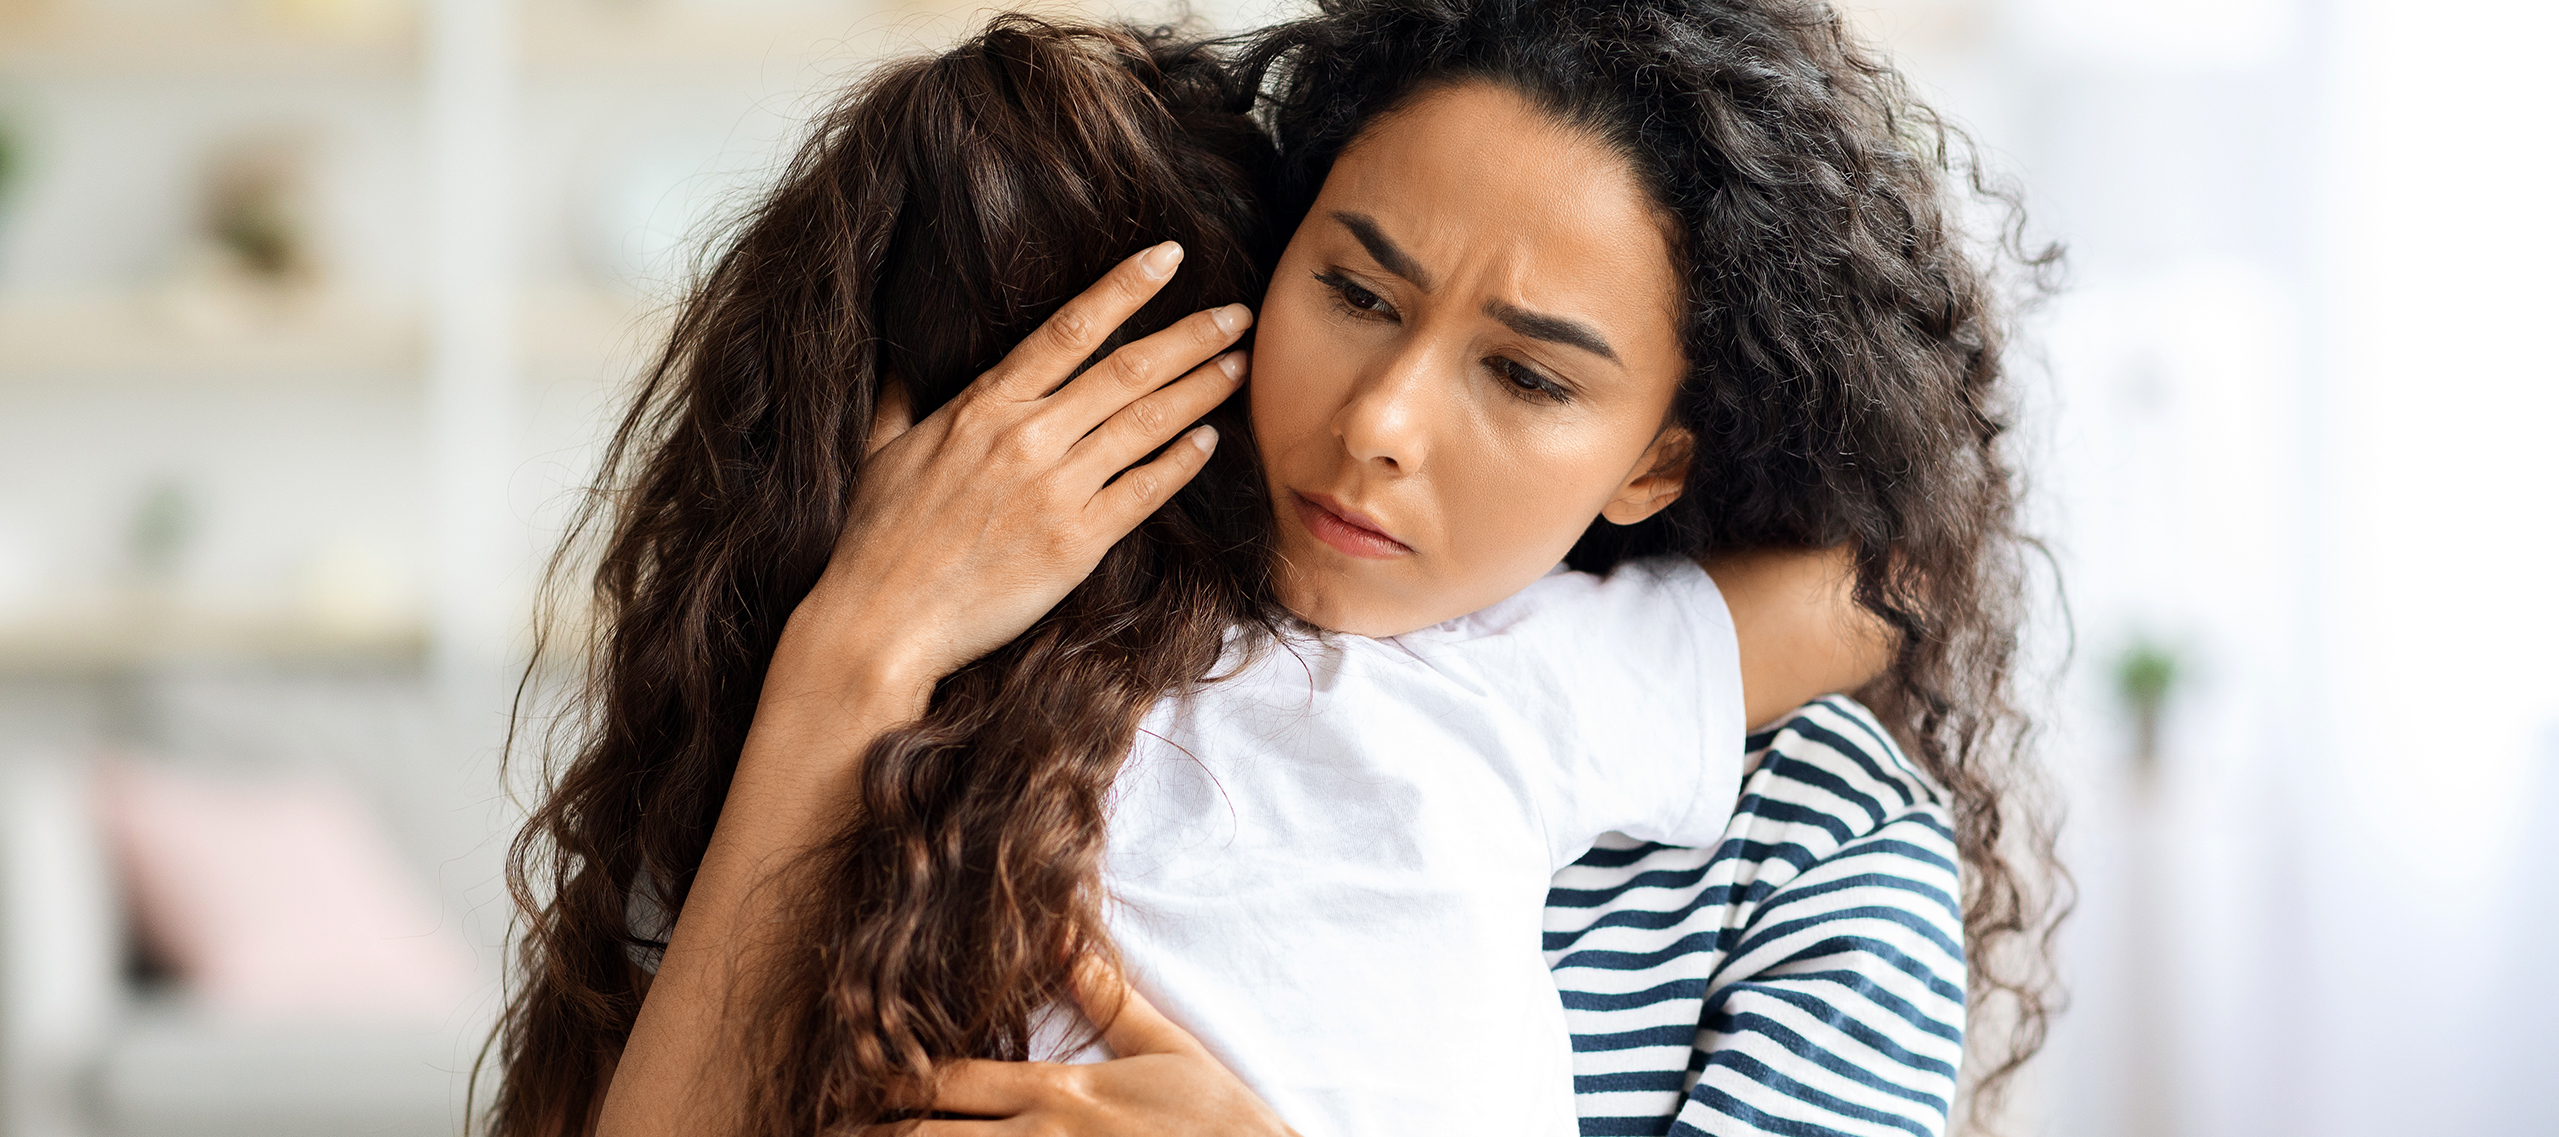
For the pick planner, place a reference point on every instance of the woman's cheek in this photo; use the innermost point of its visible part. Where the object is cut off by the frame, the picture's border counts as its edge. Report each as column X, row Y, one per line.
column 1287, row 394
column 1535, row 504
column 1278, row 409
column 1499, row 509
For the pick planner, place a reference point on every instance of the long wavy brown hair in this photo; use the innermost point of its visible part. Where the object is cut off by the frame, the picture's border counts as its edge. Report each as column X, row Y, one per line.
column 1845, row 386
column 1843, row 336
column 933, row 218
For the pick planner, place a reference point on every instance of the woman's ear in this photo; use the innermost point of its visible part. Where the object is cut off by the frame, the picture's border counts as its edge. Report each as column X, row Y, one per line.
column 1660, row 475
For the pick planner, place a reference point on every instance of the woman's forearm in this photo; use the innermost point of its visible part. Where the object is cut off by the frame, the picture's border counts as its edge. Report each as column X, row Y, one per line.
column 684, row 1070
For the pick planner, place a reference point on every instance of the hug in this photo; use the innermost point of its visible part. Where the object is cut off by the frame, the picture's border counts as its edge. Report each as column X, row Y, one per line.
column 1442, row 567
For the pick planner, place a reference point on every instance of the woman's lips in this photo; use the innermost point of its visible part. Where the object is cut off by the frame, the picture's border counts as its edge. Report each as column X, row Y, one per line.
column 1345, row 529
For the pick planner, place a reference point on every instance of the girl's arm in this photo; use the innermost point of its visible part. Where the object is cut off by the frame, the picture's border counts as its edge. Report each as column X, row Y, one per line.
column 1802, row 633
column 962, row 531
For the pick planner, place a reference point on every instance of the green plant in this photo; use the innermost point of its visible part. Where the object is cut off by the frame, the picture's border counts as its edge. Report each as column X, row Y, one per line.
column 157, row 537
column 12, row 157
column 2145, row 676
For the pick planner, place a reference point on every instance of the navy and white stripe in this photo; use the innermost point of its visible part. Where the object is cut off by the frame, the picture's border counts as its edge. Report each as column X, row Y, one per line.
column 1803, row 978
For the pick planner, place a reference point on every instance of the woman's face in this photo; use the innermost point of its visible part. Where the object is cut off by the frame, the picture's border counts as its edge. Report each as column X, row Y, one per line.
column 1467, row 354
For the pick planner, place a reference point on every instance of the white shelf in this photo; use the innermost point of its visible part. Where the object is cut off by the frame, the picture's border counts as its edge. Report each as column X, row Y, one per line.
column 229, row 336
column 589, row 331
column 654, row 42
column 211, row 335
column 89, row 641
column 62, row 45
column 464, row 64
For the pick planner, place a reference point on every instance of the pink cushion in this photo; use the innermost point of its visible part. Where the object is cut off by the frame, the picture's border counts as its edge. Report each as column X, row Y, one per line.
column 280, row 898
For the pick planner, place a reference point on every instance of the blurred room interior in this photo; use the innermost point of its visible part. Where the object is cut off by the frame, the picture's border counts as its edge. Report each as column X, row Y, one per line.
column 313, row 314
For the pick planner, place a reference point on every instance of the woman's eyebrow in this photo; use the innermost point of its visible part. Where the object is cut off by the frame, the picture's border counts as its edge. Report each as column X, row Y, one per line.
column 1534, row 325
column 1552, row 329
column 1390, row 256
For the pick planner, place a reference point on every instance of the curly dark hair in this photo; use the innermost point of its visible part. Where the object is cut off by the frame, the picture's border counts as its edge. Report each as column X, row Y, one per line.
column 1843, row 340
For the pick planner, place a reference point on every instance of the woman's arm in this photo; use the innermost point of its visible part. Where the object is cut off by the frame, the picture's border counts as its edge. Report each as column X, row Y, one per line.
column 1162, row 1083
column 792, row 790
column 962, row 531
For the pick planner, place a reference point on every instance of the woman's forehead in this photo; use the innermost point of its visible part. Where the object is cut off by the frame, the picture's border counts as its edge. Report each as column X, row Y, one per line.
column 1474, row 182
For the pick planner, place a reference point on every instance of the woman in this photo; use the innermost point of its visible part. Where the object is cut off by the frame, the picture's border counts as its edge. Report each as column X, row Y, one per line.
column 1847, row 386
column 1847, row 357
column 1902, row 575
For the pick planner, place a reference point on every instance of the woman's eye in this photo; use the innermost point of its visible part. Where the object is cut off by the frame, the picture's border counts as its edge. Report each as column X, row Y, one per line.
column 1354, row 297
column 1525, row 382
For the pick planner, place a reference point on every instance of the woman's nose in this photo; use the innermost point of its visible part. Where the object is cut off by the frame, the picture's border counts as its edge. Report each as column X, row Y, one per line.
column 1387, row 418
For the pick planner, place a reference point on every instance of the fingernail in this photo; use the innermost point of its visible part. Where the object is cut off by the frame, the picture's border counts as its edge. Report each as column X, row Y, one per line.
column 1232, row 318
column 1158, row 262
column 1205, row 438
column 1232, row 363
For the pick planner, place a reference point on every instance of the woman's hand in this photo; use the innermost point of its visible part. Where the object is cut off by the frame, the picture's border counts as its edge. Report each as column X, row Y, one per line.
column 1163, row 1084
column 969, row 526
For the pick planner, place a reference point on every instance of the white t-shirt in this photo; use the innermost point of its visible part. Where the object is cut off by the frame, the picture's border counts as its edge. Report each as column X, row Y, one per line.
column 1332, row 866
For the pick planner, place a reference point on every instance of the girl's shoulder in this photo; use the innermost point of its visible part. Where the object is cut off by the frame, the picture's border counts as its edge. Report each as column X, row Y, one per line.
column 1640, row 592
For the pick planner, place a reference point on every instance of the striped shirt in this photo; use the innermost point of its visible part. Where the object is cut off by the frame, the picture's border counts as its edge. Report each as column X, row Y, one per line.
column 1805, row 977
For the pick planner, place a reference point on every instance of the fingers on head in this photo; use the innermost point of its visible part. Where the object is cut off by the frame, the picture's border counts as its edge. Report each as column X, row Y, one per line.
column 1075, row 330
column 1151, row 362
column 1140, row 427
column 1071, row 334
column 1144, row 489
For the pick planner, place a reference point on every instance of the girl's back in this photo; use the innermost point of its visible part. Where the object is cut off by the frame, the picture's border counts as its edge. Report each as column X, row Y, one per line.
column 1331, row 864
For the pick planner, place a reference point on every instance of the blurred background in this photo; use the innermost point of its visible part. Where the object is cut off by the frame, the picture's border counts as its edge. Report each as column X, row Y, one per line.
column 312, row 313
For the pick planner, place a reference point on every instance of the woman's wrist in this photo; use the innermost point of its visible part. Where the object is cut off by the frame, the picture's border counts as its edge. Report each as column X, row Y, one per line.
column 829, row 691
column 840, row 654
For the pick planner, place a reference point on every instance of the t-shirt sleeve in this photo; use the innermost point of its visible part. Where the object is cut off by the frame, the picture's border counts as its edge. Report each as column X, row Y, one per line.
column 1651, row 737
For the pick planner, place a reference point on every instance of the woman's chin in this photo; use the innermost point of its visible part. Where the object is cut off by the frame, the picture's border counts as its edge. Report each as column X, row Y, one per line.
column 1382, row 598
